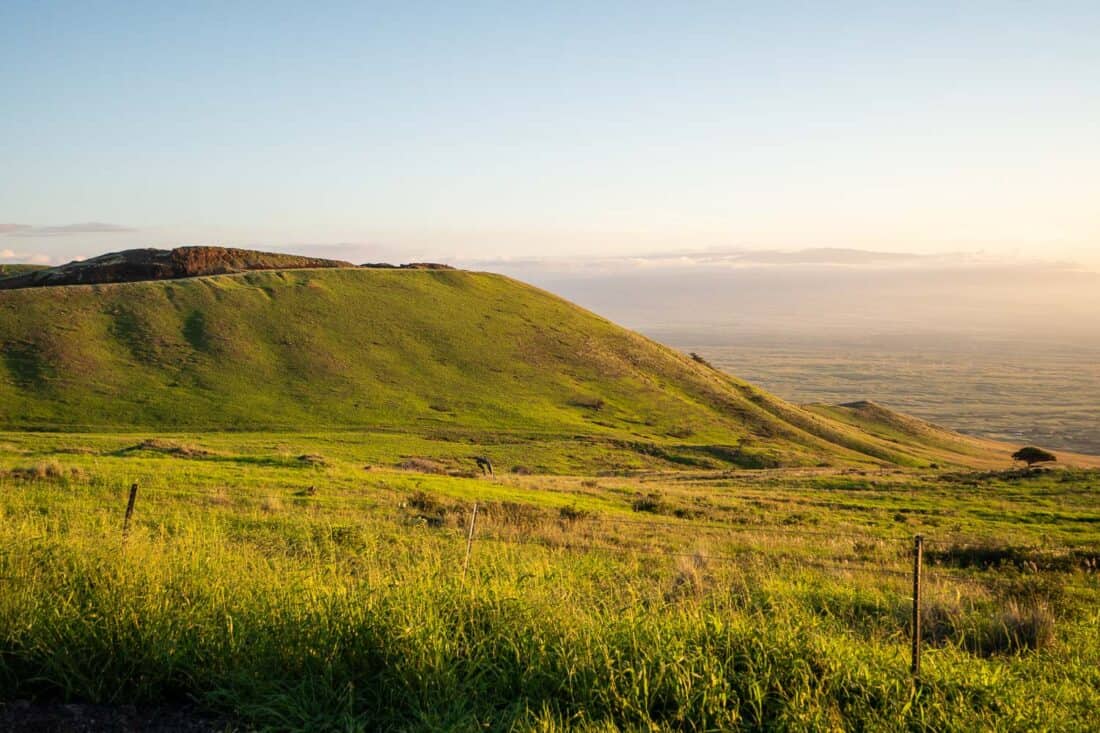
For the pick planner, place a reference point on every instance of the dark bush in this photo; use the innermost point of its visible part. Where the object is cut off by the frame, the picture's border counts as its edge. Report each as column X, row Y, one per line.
column 1032, row 455
column 572, row 514
column 651, row 503
column 425, row 503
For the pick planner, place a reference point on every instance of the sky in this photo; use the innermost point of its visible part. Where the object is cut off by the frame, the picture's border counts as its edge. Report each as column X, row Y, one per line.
column 520, row 131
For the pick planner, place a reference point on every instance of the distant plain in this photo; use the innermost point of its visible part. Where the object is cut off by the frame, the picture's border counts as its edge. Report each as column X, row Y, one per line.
column 1004, row 352
column 1045, row 393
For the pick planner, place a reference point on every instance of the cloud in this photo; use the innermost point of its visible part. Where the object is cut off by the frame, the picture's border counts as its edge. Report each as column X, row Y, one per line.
column 712, row 260
column 825, row 256
column 34, row 258
column 90, row 227
column 740, row 259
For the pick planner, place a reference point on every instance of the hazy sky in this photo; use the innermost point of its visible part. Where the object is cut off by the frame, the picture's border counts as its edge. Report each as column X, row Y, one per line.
column 490, row 130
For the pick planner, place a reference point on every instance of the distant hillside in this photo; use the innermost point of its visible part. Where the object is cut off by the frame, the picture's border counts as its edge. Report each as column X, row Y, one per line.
column 916, row 435
column 8, row 270
column 159, row 264
column 402, row 349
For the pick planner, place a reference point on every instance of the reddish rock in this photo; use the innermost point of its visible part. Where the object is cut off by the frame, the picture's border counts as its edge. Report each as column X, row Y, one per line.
column 159, row 264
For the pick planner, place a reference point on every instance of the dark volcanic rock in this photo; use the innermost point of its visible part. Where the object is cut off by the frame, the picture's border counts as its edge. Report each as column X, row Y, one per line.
column 161, row 264
column 425, row 266
column 406, row 266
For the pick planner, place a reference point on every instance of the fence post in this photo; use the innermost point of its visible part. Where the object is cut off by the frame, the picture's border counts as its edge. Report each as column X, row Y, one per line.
column 918, row 558
column 469, row 541
column 129, row 509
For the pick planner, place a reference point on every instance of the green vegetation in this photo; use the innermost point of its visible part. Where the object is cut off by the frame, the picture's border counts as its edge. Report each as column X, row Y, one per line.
column 306, row 447
column 416, row 352
column 282, row 584
column 7, row 270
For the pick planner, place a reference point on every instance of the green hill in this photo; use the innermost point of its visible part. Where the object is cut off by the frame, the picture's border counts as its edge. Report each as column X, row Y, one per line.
column 10, row 270
column 410, row 350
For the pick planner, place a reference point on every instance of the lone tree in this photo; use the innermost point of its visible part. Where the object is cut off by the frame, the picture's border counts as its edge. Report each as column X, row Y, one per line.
column 1032, row 455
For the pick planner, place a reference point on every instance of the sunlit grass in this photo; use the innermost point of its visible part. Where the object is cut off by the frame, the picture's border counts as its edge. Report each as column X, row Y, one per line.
column 781, row 600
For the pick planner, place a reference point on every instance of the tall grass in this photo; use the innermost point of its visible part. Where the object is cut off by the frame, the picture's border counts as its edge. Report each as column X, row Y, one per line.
column 305, row 619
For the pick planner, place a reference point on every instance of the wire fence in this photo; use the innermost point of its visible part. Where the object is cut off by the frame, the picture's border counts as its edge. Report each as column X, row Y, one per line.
column 587, row 534
column 587, row 520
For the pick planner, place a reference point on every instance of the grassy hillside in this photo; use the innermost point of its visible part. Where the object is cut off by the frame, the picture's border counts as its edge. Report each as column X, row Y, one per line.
column 7, row 270
column 919, row 436
column 415, row 351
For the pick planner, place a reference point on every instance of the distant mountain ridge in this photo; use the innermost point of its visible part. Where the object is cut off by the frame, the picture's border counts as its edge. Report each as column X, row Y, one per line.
column 159, row 264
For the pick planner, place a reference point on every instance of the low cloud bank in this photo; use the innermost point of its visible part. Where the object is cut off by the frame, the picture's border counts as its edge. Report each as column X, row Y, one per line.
column 826, row 292
column 90, row 227
column 709, row 261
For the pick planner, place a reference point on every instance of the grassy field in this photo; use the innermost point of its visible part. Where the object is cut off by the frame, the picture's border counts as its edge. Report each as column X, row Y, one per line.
column 310, row 582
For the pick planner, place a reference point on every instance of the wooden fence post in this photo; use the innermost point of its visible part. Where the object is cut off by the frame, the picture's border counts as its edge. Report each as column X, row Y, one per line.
column 469, row 541
column 129, row 509
column 918, row 558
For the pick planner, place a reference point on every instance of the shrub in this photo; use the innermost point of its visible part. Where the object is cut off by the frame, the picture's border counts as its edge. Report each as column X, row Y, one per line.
column 425, row 503
column 572, row 514
column 589, row 403
column 46, row 471
column 1032, row 455
column 422, row 465
column 698, row 359
column 651, row 503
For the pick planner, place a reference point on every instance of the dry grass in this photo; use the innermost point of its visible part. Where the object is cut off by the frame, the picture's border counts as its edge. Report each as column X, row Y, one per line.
column 423, row 465
column 50, row 470
column 271, row 505
column 219, row 497
column 691, row 577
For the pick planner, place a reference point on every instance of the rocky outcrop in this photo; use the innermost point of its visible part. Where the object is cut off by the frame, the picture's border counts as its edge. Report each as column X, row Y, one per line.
column 406, row 266
column 160, row 264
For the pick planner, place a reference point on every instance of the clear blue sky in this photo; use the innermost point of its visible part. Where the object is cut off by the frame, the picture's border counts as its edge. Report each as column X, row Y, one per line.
column 526, row 129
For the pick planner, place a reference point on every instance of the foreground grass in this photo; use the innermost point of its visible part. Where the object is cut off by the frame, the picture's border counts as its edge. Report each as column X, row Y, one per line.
column 773, row 600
